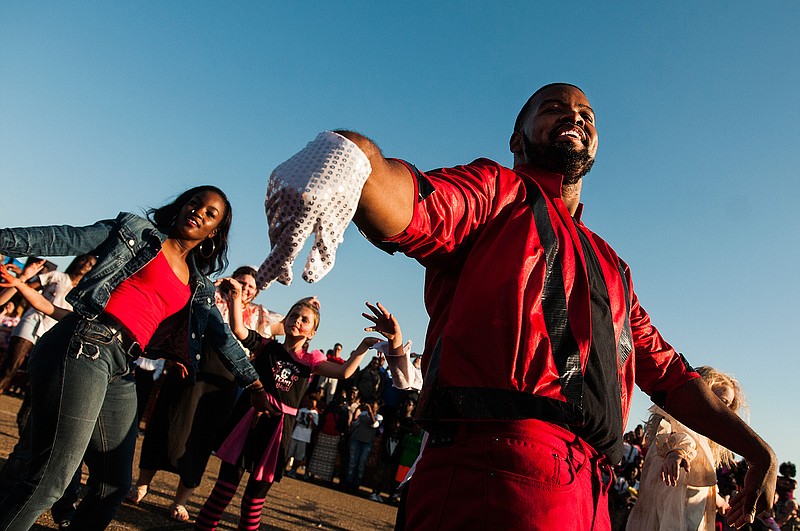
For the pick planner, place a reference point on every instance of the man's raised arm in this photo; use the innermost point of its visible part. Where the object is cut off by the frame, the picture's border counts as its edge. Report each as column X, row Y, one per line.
column 319, row 190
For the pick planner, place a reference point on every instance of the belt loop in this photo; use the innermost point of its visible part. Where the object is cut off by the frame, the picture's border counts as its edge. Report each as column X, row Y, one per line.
column 130, row 347
column 603, row 470
column 609, row 473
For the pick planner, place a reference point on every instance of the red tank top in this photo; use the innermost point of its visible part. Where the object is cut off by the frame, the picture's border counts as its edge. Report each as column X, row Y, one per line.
column 141, row 302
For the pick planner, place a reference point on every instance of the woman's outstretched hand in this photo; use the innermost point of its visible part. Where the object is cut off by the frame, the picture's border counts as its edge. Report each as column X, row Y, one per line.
column 8, row 280
column 31, row 270
column 259, row 401
column 384, row 323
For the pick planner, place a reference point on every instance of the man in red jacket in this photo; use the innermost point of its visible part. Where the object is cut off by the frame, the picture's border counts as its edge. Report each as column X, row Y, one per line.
column 536, row 335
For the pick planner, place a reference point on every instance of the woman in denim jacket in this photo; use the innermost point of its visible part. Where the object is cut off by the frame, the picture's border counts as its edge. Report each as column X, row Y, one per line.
column 149, row 279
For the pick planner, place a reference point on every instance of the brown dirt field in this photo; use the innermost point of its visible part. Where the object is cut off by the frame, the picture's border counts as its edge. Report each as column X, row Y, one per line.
column 291, row 504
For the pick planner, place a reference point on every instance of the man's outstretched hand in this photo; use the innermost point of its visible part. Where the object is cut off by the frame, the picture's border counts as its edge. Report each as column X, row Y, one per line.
column 757, row 494
column 314, row 192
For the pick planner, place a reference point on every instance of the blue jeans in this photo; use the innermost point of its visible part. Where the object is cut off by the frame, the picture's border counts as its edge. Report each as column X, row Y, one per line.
column 359, row 453
column 18, row 459
column 83, row 407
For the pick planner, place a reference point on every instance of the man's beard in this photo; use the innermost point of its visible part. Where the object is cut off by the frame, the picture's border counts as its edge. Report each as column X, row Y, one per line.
column 559, row 157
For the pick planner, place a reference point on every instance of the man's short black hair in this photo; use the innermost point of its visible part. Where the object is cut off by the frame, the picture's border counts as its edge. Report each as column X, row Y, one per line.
column 527, row 107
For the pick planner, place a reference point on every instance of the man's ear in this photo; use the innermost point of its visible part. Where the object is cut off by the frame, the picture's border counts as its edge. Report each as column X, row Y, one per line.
column 515, row 143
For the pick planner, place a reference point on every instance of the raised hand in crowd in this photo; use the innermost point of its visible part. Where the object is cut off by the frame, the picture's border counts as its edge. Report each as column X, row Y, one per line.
column 35, row 298
column 386, row 325
column 233, row 288
column 22, row 275
column 405, row 375
column 31, row 270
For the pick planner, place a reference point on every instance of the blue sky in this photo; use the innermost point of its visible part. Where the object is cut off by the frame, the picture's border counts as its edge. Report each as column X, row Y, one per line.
column 119, row 106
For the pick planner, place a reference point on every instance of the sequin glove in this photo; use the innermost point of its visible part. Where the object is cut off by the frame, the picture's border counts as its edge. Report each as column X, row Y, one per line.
column 316, row 191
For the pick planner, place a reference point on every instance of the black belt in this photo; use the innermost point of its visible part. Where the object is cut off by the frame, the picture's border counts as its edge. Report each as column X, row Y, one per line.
column 130, row 346
column 447, row 433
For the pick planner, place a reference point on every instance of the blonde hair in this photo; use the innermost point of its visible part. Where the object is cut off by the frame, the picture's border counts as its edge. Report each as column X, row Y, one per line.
column 714, row 378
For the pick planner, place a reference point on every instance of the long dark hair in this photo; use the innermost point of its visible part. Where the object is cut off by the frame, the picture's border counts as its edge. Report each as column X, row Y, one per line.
column 164, row 219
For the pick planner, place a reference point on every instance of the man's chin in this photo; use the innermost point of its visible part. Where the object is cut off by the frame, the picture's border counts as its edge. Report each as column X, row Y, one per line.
column 571, row 161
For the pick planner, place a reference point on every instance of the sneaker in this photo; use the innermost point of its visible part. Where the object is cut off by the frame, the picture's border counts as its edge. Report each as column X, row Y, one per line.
column 376, row 497
column 291, row 474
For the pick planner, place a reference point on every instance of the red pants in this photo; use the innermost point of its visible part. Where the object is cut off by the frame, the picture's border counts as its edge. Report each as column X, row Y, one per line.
column 510, row 475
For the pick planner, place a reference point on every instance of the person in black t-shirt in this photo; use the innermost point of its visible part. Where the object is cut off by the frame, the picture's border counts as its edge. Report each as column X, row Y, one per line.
column 257, row 442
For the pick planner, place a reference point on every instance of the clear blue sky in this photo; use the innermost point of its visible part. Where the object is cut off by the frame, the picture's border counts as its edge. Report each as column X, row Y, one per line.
column 112, row 106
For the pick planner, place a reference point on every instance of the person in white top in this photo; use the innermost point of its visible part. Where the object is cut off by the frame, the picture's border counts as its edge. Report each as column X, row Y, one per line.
column 54, row 285
column 678, row 490
column 307, row 420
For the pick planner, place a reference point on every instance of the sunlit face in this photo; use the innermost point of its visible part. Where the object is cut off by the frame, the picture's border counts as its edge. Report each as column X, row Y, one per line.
column 249, row 289
column 562, row 115
column 724, row 393
column 200, row 216
column 559, row 132
column 301, row 322
column 85, row 264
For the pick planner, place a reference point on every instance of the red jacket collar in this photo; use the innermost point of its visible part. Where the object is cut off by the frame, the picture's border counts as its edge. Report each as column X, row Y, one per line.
column 548, row 181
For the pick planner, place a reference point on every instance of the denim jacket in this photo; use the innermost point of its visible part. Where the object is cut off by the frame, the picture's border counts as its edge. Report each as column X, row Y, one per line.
column 123, row 246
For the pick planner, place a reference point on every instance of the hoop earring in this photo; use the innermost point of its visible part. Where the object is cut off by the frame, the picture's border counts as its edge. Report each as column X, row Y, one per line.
column 202, row 250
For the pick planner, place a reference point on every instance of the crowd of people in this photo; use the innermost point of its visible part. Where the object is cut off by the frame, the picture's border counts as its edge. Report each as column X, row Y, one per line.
column 536, row 340
column 350, row 423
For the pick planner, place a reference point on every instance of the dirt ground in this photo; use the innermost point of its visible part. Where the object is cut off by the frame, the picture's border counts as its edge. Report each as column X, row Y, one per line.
column 291, row 504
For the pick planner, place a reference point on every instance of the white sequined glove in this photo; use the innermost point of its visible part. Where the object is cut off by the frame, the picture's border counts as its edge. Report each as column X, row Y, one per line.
column 317, row 190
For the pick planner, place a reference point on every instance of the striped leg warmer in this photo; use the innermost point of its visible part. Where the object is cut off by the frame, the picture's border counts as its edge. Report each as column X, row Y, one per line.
column 251, row 513
column 215, row 505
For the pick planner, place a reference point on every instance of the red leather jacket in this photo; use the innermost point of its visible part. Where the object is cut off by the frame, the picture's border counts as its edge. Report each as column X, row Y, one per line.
column 507, row 292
